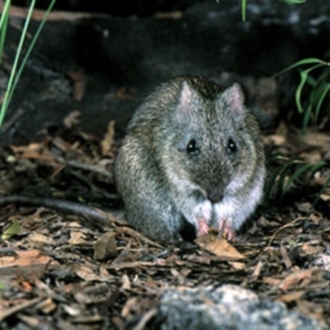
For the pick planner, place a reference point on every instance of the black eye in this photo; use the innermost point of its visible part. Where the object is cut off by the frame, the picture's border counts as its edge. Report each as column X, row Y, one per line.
column 231, row 147
column 192, row 147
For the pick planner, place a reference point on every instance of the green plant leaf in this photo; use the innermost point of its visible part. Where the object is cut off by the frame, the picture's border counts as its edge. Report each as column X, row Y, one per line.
column 13, row 229
column 300, row 63
column 303, row 78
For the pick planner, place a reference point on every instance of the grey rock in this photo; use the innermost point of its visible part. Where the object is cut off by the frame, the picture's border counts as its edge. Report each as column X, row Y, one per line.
column 227, row 307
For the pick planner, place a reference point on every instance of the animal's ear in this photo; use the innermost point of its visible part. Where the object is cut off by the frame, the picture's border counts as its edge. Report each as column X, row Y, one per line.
column 188, row 99
column 233, row 98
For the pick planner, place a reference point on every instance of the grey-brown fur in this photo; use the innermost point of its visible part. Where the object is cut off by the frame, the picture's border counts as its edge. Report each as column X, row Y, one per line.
column 217, row 181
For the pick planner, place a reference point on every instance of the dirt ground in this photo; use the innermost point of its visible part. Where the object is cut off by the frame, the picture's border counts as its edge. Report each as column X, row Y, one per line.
column 62, row 270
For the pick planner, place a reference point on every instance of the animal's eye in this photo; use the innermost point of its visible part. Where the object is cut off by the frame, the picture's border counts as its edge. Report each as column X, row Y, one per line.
column 192, row 147
column 231, row 147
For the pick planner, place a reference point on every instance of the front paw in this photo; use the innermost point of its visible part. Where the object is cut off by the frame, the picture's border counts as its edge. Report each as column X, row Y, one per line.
column 202, row 227
column 226, row 230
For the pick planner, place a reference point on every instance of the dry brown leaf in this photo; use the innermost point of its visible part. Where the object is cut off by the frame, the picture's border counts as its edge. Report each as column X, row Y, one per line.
column 274, row 139
column 290, row 297
column 136, row 264
column 35, row 237
column 106, row 143
column 32, row 147
column 150, row 283
column 265, row 223
column 304, row 207
column 312, row 157
column 32, row 322
column 4, row 313
column 103, row 271
column 316, row 139
column 61, row 144
column 106, row 247
column 178, row 276
column 132, row 232
column 145, row 319
column 311, row 249
column 295, row 278
column 124, row 93
column 203, row 259
column 285, row 256
column 47, row 306
column 218, row 246
column 25, row 258
column 237, row 265
column 79, row 80
column 74, row 310
column 27, row 286
column 185, row 272
column 32, row 151
column 126, row 282
column 325, row 197
column 257, row 269
column 272, row 280
column 72, row 119
column 87, row 274
column 315, row 218
column 77, row 238
column 129, row 306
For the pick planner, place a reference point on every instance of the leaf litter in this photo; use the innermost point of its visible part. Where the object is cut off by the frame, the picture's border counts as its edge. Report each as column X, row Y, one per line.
column 61, row 268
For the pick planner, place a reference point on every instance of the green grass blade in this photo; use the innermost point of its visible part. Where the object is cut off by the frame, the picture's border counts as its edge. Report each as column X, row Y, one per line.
column 271, row 185
column 5, row 13
column 318, row 85
column 303, row 62
column 16, row 73
column 282, row 178
column 297, row 173
column 243, row 10
column 316, row 98
column 320, row 100
column 15, row 64
column 3, row 26
column 34, row 40
column 294, row 2
column 307, row 118
column 303, row 78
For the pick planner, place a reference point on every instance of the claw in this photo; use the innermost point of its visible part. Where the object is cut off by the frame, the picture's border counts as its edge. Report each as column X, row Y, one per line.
column 202, row 227
column 225, row 230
